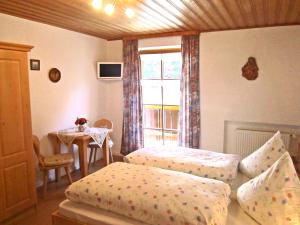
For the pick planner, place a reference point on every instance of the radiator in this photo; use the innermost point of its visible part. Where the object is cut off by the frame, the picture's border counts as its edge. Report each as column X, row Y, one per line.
column 247, row 141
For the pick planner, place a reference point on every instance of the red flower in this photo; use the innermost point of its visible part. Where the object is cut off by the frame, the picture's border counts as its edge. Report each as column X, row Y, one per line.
column 81, row 121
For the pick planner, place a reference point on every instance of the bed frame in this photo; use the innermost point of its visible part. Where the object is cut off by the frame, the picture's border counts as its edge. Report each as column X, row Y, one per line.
column 58, row 219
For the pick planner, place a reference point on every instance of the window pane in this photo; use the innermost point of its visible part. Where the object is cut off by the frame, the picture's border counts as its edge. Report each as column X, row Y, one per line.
column 170, row 138
column 151, row 66
column 152, row 92
column 172, row 65
column 171, row 115
column 152, row 137
column 161, row 98
column 171, row 92
column 152, row 116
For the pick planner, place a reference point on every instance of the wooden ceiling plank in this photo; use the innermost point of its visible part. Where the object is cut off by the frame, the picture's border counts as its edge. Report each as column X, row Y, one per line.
column 148, row 22
column 242, row 13
column 213, row 5
column 202, row 8
column 254, row 12
column 48, row 13
column 119, row 19
column 151, row 15
column 272, row 9
column 294, row 15
column 53, row 23
column 289, row 11
column 114, row 31
column 149, row 18
column 278, row 11
column 259, row 7
column 230, row 14
column 139, row 15
column 84, row 8
column 156, row 17
column 213, row 13
column 183, row 13
column 181, row 18
column 266, row 12
column 147, row 5
column 201, row 19
column 298, row 16
column 64, row 8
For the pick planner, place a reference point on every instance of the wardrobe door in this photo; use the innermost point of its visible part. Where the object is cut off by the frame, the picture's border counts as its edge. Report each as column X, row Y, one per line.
column 17, row 179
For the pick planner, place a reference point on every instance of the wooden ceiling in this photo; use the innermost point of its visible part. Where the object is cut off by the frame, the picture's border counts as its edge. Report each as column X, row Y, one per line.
column 156, row 17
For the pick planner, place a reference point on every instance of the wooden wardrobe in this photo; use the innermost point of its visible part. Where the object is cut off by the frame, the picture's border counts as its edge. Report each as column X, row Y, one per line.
column 17, row 178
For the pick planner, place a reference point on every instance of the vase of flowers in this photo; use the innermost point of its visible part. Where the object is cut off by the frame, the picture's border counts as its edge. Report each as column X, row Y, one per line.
column 81, row 123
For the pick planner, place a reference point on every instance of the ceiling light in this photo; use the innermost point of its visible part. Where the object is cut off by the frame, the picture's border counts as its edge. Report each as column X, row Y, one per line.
column 97, row 4
column 109, row 9
column 129, row 12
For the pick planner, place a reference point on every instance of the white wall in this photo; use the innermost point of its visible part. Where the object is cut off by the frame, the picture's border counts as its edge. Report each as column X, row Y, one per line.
column 226, row 96
column 56, row 105
column 114, row 95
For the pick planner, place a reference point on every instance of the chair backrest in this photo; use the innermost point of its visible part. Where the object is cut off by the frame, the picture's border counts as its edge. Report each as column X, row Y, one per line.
column 36, row 147
column 104, row 123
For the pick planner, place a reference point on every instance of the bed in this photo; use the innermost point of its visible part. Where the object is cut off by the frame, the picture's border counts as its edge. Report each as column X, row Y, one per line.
column 198, row 162
column 140, row 194
column 72, row 213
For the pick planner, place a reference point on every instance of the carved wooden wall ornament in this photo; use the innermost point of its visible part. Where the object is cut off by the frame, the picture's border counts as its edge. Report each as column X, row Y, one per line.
column 250, row 69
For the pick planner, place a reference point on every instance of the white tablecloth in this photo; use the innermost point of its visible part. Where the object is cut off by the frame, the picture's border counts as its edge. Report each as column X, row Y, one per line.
column 67, row 136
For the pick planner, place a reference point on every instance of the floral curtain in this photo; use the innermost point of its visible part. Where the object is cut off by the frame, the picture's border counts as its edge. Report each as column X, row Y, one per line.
column 132, row 137
column 189, row 118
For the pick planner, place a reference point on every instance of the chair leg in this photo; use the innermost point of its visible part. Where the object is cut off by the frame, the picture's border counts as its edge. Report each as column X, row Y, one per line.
column 111, row 155
column 68, row 174
column 45, row 183
column 95, row 155
column 73, row 154
column 91, row 155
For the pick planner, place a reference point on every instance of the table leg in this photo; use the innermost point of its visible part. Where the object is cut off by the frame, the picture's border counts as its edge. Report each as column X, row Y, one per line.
column 56, row 147
column 82, row 149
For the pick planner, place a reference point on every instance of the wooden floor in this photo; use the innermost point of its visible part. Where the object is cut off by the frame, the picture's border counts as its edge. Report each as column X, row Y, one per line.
column 45, row 207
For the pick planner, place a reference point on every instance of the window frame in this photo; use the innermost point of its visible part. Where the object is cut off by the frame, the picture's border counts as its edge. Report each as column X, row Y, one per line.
column 151, row 52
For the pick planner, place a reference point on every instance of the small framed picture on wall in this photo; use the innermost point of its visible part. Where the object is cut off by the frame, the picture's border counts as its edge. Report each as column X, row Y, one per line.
column 34, row 64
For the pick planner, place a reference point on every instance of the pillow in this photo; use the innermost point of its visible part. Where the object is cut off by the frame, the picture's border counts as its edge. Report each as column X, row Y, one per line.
column 274, row 196
column 263, row 158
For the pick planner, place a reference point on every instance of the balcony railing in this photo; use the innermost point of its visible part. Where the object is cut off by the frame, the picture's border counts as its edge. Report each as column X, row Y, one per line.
column 160, row 124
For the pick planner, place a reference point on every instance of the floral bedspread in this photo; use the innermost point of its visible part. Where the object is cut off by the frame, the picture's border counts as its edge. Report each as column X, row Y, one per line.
column 153, row 195
column 198, row 162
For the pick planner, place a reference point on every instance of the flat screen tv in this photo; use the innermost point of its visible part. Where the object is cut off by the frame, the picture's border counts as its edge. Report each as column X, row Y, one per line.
column 109, row 70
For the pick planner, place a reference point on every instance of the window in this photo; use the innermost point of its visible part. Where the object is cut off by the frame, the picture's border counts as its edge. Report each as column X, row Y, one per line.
column 161, row 97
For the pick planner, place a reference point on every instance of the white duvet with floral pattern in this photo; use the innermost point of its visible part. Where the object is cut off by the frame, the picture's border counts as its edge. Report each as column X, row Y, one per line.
column 198, row 162
column 154, row 195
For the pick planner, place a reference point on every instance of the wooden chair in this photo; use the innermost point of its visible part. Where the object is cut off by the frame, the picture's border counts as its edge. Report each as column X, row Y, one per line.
column 102, row 123
column 47, row 163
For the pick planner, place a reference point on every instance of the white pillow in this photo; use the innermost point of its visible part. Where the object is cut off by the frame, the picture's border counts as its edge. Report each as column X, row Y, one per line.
column 273, row 198
column 264, row 157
